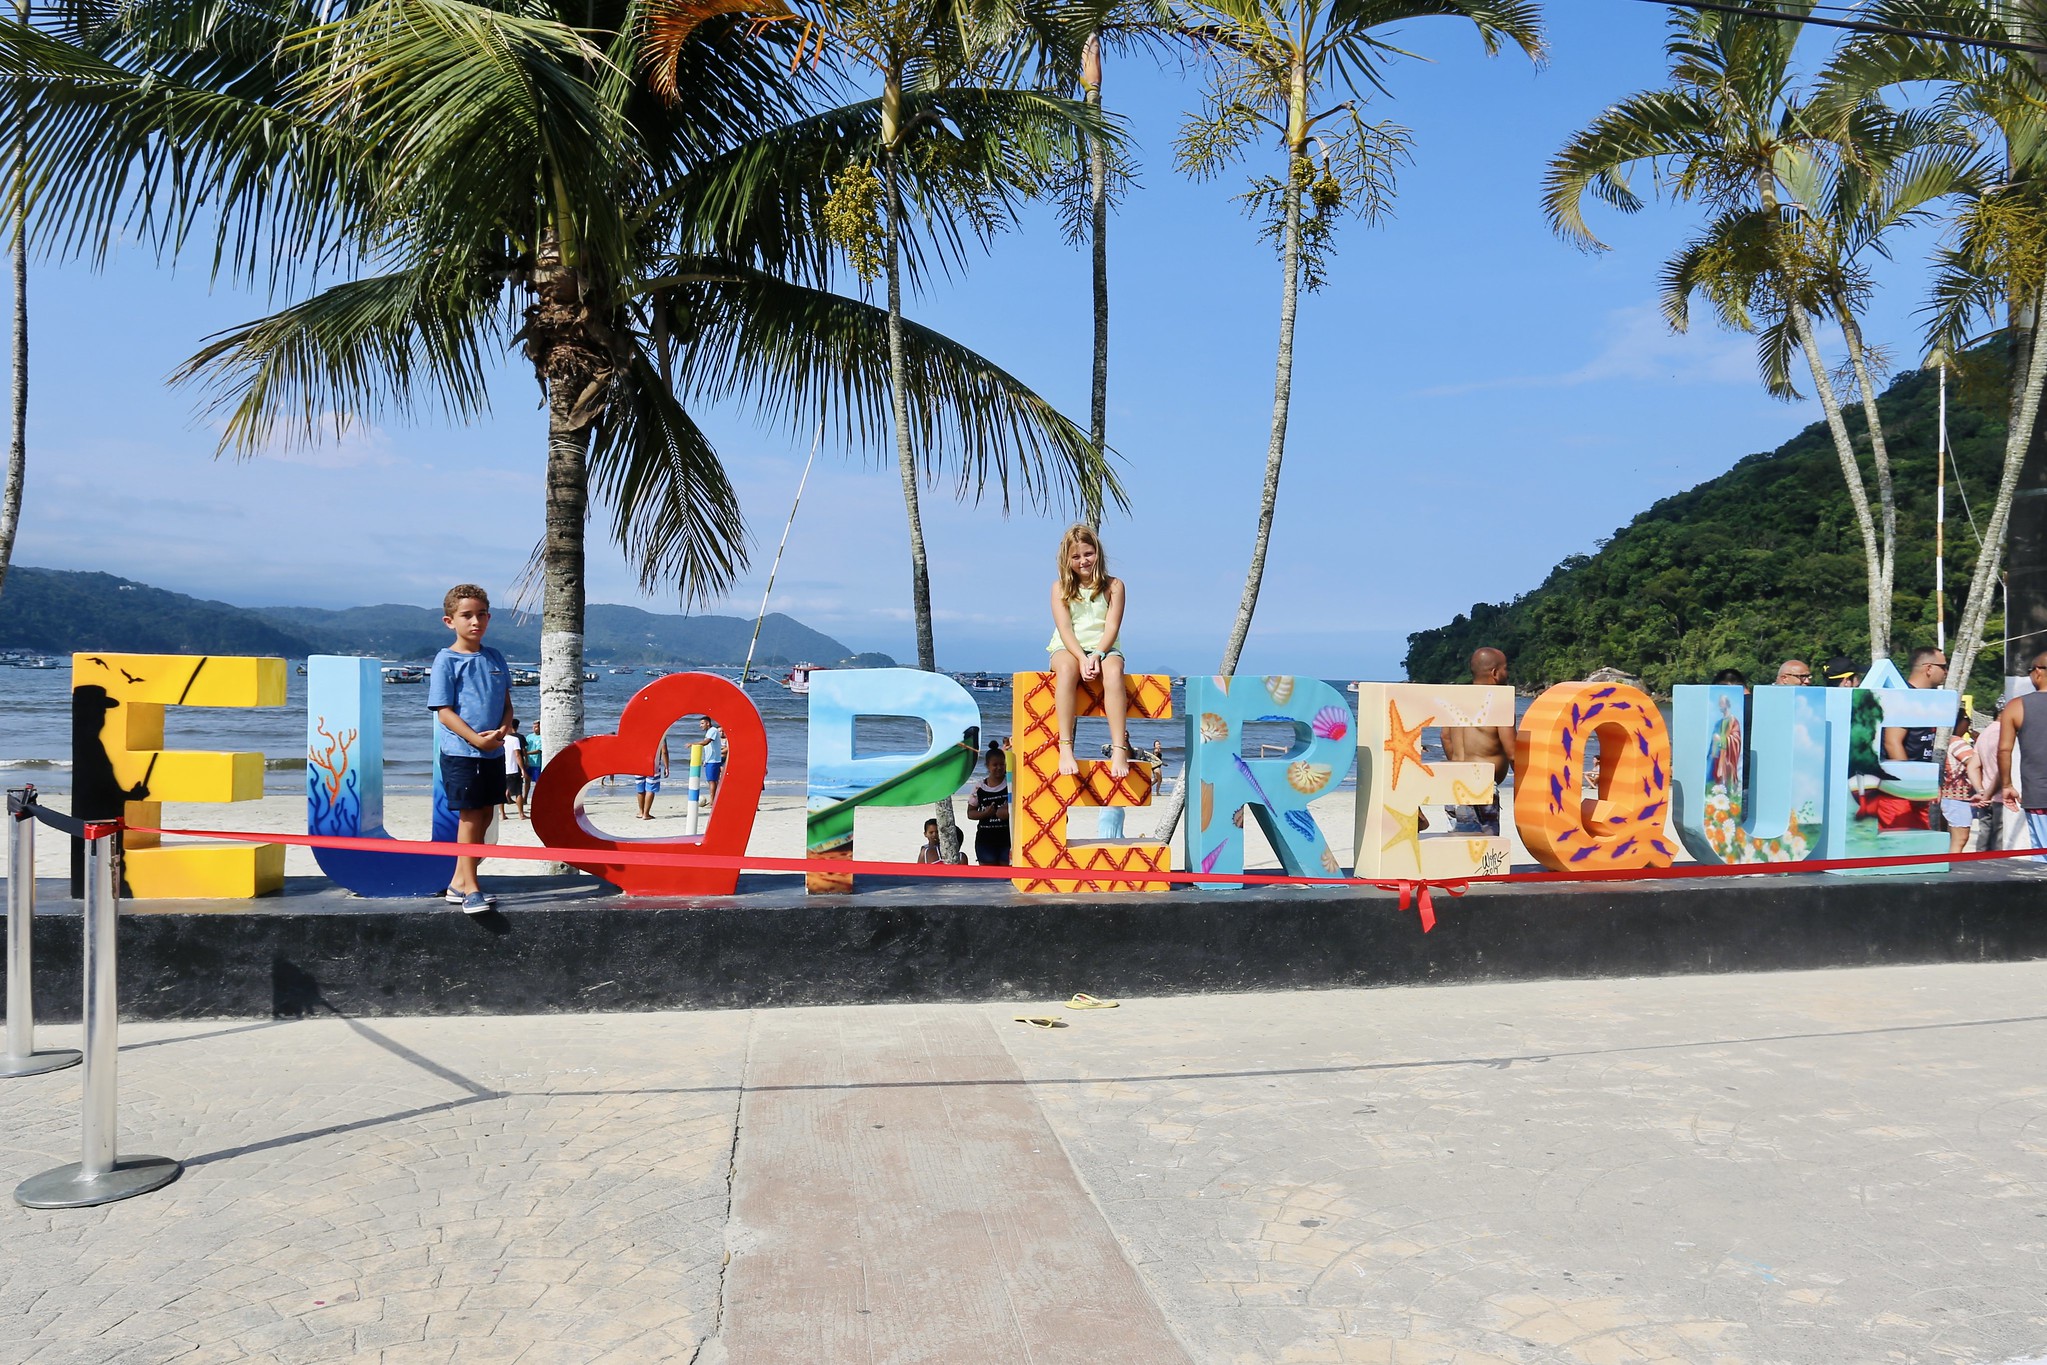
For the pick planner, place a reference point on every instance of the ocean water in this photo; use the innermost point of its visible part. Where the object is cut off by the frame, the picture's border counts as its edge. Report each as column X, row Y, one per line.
column 35, row 729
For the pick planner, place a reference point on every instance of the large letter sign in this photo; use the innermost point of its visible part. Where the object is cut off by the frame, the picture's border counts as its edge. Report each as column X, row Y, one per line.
column 1040, row 797
column 1877, row 802
column 1623, row 828
column 1750, row 797
column 345, row 782
column 1277, row 791
column 840, row 784
column 120, row 768
column 1395, row 781
column 557, row 805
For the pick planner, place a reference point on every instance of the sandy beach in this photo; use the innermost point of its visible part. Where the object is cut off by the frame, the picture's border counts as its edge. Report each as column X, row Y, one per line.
column 881, row 835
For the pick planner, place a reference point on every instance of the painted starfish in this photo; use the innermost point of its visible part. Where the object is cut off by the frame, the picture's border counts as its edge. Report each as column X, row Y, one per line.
column 1407, row 829
column 1403, row 744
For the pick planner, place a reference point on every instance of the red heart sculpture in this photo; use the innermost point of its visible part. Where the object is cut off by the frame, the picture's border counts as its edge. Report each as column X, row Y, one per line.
column 557, row 806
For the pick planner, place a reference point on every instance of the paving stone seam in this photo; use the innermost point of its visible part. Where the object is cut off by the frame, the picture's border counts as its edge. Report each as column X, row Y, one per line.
column 1151, row 1290
column 711, row 1346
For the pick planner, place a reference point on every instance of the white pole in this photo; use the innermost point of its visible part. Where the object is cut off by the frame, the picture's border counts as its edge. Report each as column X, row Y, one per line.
column 1940, row 522
column 747, row 672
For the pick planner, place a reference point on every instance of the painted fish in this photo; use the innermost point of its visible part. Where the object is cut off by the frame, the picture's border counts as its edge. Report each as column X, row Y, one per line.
column 1303, row 824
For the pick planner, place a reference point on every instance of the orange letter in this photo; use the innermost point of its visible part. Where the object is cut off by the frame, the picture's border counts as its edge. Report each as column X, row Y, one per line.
column 1623, row 828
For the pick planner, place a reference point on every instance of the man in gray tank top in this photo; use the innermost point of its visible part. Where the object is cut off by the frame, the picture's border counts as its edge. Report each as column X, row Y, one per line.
column 2025, row 786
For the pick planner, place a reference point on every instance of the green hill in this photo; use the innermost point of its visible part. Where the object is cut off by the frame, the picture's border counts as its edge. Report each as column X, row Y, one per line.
column 1760, row 564
column 54, row 611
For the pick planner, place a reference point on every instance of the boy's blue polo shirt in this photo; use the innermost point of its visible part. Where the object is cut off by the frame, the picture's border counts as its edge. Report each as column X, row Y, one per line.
column 476, row 685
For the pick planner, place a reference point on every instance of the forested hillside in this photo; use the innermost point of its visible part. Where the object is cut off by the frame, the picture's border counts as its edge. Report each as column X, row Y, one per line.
column 1759, row 564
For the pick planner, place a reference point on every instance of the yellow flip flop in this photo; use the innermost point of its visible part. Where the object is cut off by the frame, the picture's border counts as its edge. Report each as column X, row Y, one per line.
column 1083, row 1001
column 1040, row 1021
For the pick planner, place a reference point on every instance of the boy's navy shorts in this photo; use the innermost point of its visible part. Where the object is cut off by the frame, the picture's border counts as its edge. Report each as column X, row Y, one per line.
column 473, row 783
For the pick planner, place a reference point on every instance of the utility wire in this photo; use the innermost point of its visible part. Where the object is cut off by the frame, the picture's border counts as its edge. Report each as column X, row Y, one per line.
column 1856, row 25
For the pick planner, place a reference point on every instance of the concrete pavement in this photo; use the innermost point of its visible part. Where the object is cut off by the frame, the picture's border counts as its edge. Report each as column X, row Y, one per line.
column 1811, row 1167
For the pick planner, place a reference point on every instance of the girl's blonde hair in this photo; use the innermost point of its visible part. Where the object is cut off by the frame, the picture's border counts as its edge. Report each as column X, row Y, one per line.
column 1070, row 586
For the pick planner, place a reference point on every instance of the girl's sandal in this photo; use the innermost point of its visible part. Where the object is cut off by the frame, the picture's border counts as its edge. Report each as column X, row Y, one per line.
column 1083, row 1001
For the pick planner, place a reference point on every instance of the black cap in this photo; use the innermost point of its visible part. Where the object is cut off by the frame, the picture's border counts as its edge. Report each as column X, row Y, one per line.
column 1838, row 667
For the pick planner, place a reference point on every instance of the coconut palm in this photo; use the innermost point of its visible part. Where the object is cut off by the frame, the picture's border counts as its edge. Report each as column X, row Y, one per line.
column 1299, row 72
column 1992, row 267
column 1797, row 195
column 485, row 178
column 16, row 477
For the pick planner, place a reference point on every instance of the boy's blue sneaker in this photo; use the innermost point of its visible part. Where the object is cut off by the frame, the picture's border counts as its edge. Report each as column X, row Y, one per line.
column 455, row 897
column 476, row 903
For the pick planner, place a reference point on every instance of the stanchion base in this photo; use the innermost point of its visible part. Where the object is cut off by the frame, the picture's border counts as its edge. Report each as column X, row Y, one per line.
column 36, row 1063
column 65, row 1188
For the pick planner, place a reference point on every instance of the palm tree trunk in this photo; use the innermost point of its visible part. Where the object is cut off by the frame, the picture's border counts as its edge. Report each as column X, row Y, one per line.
column 561, row 567
column 1880, row 456
column 2018, row 442
column 1098, row 207
column 1275, row 447
column 17, row 411
column 1851, row 471
column 906, row 460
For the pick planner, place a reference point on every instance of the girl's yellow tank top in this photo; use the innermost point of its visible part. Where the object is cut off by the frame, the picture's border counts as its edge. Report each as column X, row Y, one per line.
column 1090, row 616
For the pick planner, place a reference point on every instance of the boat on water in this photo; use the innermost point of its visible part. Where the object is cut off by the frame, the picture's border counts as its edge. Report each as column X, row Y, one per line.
column 656, row 672
column 797, row 679
column 589, row 677
column 616, row 671
column 16, row 659
column 525, row 677
column 982, row 682
column 397, row 674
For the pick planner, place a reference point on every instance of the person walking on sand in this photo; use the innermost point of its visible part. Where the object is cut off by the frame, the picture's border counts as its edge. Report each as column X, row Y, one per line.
column 988, row 807
column 470, row 689
column 1087, row 619
column 1493, row 744
column 515, row 771
column 714, row 759
column 1961, row 782
column 646, row 788
column 2025, row 786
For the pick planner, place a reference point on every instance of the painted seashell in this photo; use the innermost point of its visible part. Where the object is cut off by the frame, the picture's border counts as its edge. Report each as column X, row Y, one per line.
column 1329, row 863
column 1207, row 803
column 1237, row 817
column 1307, row 778
column 1281, row 688
column 1331, row 722
column 1214, row 729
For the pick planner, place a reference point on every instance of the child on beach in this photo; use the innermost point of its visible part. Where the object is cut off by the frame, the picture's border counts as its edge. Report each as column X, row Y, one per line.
column 1087, row 615
column 470, row 689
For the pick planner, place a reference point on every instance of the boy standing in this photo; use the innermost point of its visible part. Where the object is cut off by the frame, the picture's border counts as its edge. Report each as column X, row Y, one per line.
column 714, row 759
column 471, row 691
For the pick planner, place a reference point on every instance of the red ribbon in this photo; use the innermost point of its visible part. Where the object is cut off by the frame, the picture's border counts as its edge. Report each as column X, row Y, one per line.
column 1412, row 891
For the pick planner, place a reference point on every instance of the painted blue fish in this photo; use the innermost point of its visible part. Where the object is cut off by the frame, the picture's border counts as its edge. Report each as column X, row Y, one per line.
column 1569, row 738
column 1622, row 848
column 1304, row 825
column 1556, row 794
column 1605, row 692
column 1594, row 709
column 1586, row 852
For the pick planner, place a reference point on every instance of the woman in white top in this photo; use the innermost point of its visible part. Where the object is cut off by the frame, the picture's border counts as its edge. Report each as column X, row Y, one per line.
column 1086, row 645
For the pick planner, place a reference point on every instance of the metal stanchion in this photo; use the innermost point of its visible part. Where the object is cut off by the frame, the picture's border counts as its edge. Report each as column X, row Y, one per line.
column 101, row 1177
column 21, row 1057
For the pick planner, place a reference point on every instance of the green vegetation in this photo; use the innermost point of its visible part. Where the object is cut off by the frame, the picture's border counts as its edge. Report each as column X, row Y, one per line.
column 55, row 612
column 1763, row 563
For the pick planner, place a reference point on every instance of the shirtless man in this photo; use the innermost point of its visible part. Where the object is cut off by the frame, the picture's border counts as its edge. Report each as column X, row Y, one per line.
column 1492, row 744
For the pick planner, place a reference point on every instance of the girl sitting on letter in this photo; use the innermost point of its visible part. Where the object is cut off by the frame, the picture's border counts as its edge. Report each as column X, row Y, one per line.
column 1087, row 614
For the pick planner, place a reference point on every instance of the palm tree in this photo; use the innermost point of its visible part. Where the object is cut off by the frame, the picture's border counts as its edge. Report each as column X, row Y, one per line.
column 16, row 477
column 1277, row 60
column 1797, row 196
column 1299, row 71
column 488, row 177
column 2000, row 96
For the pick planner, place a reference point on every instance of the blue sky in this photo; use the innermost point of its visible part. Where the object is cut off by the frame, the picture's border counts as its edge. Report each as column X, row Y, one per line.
column 1473, row 400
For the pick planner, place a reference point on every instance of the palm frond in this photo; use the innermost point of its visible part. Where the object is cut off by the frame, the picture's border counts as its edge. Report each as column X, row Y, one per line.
column 800, row 356
column 673, row 511
column 386, row 343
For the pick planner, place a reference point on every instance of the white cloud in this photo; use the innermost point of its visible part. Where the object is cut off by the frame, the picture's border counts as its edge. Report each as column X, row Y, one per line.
column 1640, row 347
